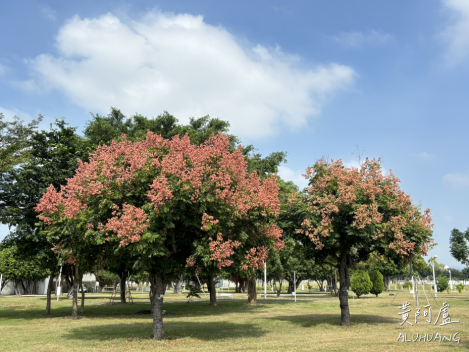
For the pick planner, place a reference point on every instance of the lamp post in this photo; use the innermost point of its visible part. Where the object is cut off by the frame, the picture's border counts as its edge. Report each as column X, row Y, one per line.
column 265, row 280
column 450, row 281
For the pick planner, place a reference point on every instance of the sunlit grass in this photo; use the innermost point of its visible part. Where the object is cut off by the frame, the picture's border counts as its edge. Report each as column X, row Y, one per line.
column 312, row 323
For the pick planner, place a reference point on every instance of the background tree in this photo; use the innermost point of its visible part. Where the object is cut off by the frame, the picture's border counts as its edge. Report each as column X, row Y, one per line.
column 52, row 159
column 24, row 272
column 15, row 142
column 458, row 242
column 378, row 284
column 442, row 283
column 360, row 283
column 105, row 278
column 389, row 267
column 355, row 212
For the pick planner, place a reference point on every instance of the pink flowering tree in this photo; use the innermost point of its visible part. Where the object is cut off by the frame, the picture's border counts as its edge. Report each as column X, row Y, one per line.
column 353, row 212
column 163, row 202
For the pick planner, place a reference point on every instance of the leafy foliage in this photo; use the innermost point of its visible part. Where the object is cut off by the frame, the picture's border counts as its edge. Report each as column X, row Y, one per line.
column 18, row 269
column 442, row 283
column 53, row 159
column 378, row 284
column 15, row 142
column 459, row 247
column 360, row 283
column 194, row 291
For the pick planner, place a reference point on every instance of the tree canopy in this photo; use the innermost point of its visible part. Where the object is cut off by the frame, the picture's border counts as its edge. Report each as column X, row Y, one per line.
column 15, row 146
column 459, row 247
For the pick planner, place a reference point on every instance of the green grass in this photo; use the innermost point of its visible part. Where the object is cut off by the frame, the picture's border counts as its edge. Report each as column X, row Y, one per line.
column 312, row 323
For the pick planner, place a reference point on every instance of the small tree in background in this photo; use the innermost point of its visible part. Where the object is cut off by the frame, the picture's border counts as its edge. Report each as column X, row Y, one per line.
column 460, row 287
column 360, row 283
column 441, row 283
column 378, row 283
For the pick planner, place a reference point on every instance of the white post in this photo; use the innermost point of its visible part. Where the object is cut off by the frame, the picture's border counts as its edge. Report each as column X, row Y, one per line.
column 59, row 288
column 450, row 281
column 265, row 280
column 294, row 282
column 434, row 280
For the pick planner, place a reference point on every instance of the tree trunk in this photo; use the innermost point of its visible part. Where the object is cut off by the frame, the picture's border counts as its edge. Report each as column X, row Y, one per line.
column 17, row 290
column 252, row 293
column 212, row 290
column 343, row 291
column 114, row 287
column 25, row 291
column 333, row 287
column 177, row 285
column 386, row 282
column 100, row 288
column 82, row 293
column 122, row 288
column 280, row 288
column 75, row 293
column 49, row 291
column 320, row 285
column 290, row 286
column 157, row 289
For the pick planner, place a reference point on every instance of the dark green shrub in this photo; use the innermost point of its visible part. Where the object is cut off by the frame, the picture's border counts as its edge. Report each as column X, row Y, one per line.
column 378, row 283
column 360, row 283
column 442, row 283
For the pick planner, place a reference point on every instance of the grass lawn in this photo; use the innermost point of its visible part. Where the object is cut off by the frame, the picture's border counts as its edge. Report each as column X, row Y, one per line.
column 312, row 323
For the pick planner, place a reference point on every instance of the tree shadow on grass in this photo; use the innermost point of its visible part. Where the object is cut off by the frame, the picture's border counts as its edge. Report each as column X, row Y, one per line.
column 127, row 311
column 173, row 330
column 311, row 320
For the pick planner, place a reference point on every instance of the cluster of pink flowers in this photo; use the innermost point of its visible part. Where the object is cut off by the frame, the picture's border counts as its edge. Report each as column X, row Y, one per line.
column 222, row 250
column 129, row 225
column 175, row 168
column 206, row 220
column 274, row 233
column 255, row 258
column 190, row 262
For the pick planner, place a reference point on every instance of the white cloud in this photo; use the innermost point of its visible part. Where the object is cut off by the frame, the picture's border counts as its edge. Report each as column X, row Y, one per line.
column 357, row 39
column 183, row 65
column 456, row 34
column 457, row 180
column 288, row 174
column 3, row 69
column 48, row 13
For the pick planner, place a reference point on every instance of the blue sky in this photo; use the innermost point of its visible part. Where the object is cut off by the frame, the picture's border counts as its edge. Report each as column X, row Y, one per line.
column 313, row 78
